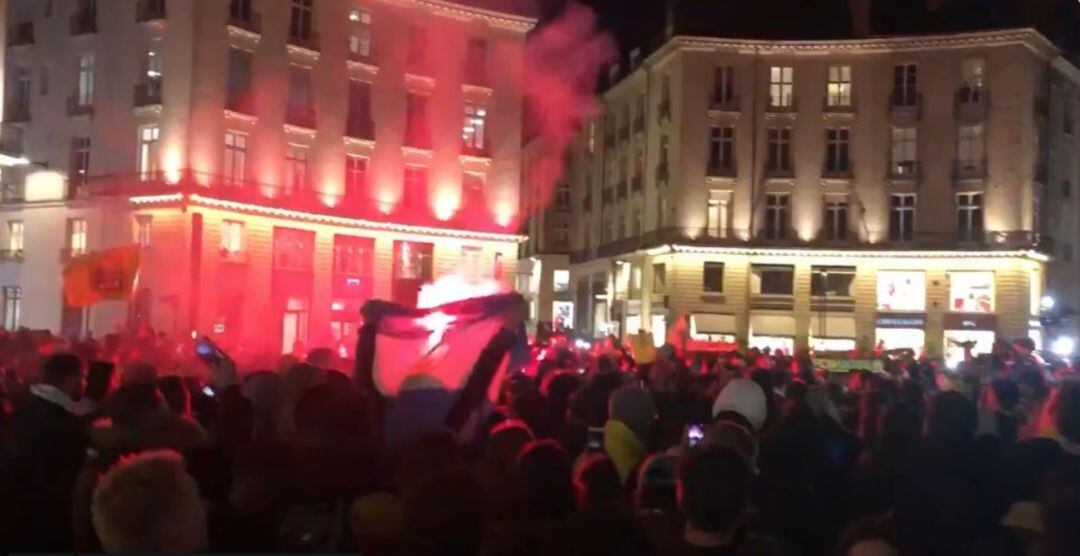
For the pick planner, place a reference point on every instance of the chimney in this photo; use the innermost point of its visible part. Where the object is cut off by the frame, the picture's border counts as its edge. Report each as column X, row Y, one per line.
column 860, row 18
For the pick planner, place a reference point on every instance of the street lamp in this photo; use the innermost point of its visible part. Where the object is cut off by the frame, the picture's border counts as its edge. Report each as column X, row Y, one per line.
column 1047, row 303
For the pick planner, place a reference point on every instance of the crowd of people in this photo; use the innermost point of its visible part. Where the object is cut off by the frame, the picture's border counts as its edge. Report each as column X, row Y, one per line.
column 585, row 452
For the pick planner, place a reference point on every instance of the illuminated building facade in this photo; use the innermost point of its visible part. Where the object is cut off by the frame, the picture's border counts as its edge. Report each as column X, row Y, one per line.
column 280, row 161
column 891, row 192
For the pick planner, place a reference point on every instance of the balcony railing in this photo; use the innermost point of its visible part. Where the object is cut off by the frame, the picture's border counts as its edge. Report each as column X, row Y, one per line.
column 149, row 10
column 972, row 104
column 722, row 104
column 21, row 34
column 838, row 105
column 838, row 172
column 240, row 102
column 905, row 105
column 969, row 169
column 473, row 216
column 696, row 236
column 359, row 128
column 14, row 255
column 250, row 22
column 721, row 170
column 79, row 106
column 789, row 105
column 16, row 112
column 11, row 140
column 780, row 172
column 300, row 116
column 907, row 170
column 147, row 94
column 83, row 23
column 308, row 41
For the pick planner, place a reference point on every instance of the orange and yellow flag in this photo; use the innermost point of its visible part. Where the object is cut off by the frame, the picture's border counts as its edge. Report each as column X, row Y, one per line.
column 100, row 276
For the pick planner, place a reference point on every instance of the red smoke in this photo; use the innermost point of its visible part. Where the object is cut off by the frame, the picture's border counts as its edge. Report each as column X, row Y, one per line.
column 563, row 59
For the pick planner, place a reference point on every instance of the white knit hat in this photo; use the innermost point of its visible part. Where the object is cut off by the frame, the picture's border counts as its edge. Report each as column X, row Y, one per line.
column 744, row 397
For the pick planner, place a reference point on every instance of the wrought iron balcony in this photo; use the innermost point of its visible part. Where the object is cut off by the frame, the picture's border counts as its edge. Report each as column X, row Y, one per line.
column 250, row 21
column 906, row 170
column 968, row 170
column 307, row 41
column 240, row 102
column 147, row 94
column 721, row 169
column 905, row 104
column 972, row 104
column 789, row 105
column 360, row 128
column 838, row 105
column 300, row 116
column 730, row 103
column 79, row 106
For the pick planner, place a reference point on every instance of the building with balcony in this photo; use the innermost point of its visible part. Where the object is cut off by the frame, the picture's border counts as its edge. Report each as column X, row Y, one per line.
column 889, row 192
column 279, row 162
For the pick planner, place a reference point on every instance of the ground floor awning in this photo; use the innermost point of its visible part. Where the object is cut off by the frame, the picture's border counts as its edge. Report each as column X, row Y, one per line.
column 832, row 325
column 772, row 325
column 712, row 323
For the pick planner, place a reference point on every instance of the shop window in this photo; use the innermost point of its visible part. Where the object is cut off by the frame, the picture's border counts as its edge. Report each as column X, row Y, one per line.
column 561, row 281
column 901, row 290
column 712, row 277
column 971, row 292
column 772, row 279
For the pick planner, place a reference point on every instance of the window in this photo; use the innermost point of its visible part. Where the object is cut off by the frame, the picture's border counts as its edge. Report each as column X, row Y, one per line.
column 562, row 234
column 232, row 237
column 781, row 86
column 148, row 151
column 971, row 292
column 836, row 218
column 416, row 56
column 838, row 150
column 901, row 290
column 832, row 281
column 21, row 94
column 476, row 62
column 721, row 148
column 1066, row 189
column 712, row 277
column 354, row 256
column 718, row 213
column 412, row 268
column 77, row 236
column 969, row 147
column 300, row 19
column 80, row 161
column 234, row 169
column 15, row 235
column 838, row 92
column 562, row 196
column 659, row 272
column 779, row 154
column 415, row 187
column 155, row 63
column 144, row 225
column 296, row 169
column 417, row 133
column 776, row 216
column 772, row 279
column 973, row 76
column 293, row 249
column 85, row 92
column 905, row 85
column 902, row 217
column 724, row 85
column 358, row 123
column 472, row 190
column 238, row 96
column 300, row 105
column 969, row 216
column 360, row 33
column 355, row 176
column 12, row 306
column 473, row 128
column 240, row 10
column 904, row 159
column 561, row 281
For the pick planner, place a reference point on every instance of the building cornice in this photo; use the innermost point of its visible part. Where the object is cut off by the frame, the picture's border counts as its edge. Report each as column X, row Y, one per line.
column 503, row 20
column 1027, row 37
column 1027, row 254
column 195, row 199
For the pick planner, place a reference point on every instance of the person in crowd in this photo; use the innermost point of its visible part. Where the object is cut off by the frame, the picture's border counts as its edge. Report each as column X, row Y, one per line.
column 626, row 433
column 715, row 491
column 745, row 398
column 50, row 443
column 444, row 516
column 872, row 536
column 149, row 503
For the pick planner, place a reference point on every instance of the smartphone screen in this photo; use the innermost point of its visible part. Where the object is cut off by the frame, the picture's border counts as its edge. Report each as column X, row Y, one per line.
column 99, row 377
column 694, row 434
column 207, row 351
column 595, row 439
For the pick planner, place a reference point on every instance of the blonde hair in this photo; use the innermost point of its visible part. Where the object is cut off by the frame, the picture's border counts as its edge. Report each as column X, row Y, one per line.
column 149, row 503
